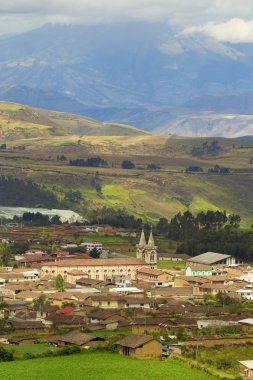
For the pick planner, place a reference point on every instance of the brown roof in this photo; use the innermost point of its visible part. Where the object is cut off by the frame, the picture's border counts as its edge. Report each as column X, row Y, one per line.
column 103, row 314
column 97, row 262
column 134, row 341
column 154, row 272
column 66, row 319
column 88, row 281
column 149, row 321
column 78, row 338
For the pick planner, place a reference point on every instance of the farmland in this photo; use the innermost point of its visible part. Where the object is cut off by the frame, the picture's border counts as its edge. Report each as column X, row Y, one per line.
column 92, row 366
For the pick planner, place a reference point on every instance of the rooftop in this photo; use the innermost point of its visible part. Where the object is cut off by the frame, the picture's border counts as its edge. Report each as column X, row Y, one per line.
column 209, row 258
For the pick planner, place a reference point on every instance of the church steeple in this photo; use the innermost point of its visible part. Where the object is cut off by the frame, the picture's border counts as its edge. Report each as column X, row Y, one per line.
column 147, row 251
column 151, row 241
column 142, row 242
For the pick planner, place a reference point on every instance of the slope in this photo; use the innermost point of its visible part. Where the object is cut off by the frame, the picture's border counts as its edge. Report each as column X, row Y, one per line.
column 19, row 121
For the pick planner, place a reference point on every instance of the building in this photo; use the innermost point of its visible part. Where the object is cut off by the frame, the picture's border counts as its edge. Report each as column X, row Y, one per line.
column 140, row 347
column 147, row 251
column 198, row 271
column 246, row 369
column 90, row 246
column 155, row 276
column 212, row 258
column 99, row 269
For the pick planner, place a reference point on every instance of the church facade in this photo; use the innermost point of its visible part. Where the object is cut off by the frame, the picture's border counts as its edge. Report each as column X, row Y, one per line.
column 147, row 251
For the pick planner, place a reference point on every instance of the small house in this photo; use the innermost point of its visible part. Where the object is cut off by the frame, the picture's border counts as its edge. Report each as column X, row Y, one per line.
column 246, row 369
column 140, row 347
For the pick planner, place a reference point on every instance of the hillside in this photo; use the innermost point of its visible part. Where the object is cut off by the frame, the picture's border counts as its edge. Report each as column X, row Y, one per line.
column 19, row 121
column 146, row 193
column 206, row 123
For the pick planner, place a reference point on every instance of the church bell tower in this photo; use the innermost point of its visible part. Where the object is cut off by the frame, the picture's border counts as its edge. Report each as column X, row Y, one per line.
column 147, row 251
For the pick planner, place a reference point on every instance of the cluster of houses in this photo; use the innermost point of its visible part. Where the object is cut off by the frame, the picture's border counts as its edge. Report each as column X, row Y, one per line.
column 122, row 294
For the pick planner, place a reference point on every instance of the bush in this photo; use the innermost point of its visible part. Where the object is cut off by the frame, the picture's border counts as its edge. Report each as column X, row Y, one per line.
column 126, row 164
column 5, row 356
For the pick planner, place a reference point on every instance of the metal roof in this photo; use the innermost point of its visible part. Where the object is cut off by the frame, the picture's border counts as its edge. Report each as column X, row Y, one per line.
column 209, row 258
column 247, row 363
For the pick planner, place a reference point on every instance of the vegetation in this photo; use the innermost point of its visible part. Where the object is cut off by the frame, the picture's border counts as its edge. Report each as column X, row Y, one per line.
column 127, row 164
column 116, row 218
column 23, row 193
column 97, row 365
column 211, row 231
column 94, row 162
column 59, row 283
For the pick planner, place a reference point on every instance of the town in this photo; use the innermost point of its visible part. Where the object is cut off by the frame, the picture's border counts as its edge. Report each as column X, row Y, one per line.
column 105, row 288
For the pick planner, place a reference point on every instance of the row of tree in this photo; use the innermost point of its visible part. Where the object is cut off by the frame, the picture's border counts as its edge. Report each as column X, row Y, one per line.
column 208, row 231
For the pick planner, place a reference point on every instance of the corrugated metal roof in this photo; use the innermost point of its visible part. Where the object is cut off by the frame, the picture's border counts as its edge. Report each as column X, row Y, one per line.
column 209, row 258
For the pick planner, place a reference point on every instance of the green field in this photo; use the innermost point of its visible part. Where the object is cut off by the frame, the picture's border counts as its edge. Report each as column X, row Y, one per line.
column 21, row 349
column 97, row 366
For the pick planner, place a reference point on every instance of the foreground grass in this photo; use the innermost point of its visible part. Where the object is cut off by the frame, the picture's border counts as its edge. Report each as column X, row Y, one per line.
column 94, row 366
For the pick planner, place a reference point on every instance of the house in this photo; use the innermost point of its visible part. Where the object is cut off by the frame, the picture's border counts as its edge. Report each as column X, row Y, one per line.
column 246, row 369
column 82, row 340
column 148, row 325
column 155, row 276
column 101, row 316
column 140, row 347
column 246, row 324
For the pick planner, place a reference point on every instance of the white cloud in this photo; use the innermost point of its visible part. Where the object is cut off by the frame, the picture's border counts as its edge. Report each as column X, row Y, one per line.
column 235, row 30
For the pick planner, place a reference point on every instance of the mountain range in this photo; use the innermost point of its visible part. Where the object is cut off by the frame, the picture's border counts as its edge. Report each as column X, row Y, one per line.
column 145, row 74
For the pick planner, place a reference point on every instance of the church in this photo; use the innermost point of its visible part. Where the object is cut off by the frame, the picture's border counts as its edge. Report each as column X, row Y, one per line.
column 147, row 251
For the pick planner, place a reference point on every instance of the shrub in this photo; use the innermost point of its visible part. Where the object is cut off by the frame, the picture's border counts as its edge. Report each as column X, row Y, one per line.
column 6, row 356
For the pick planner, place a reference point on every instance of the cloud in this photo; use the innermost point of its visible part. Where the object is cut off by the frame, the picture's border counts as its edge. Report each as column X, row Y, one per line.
column 235, row 30
column 204, row 15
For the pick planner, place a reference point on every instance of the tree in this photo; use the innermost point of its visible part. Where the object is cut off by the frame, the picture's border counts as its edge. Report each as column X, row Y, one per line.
column 59, row 283
column 126, row 164
column 94, row 253
column 5, row 252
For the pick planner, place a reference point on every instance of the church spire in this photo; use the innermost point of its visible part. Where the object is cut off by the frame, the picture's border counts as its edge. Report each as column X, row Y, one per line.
column 151, row 242
column 142, row 242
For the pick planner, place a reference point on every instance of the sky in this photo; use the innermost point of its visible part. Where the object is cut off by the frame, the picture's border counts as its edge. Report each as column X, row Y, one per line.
column 224, row 20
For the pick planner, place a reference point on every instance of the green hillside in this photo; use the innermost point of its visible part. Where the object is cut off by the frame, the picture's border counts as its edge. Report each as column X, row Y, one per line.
column 150, row 194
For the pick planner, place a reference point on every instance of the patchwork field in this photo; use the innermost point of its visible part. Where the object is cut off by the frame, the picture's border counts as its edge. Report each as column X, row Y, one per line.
column 93, row 366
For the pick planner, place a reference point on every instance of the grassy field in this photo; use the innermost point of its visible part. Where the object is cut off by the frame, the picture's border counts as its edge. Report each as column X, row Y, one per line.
column 93, row 366
column 225, row 359
column 22, row 349
column 166, row 264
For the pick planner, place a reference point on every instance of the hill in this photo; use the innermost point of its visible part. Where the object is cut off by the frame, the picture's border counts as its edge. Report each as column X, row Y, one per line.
column 19, row 121
column 158, row 185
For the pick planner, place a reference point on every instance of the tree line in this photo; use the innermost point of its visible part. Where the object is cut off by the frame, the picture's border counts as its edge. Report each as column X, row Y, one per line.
column 214, row 231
